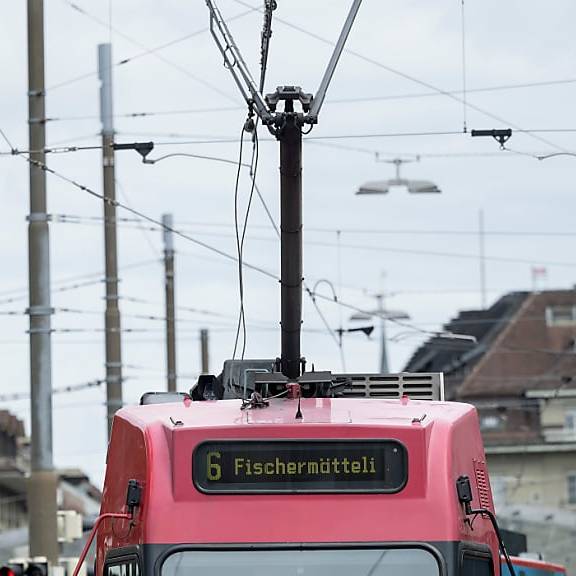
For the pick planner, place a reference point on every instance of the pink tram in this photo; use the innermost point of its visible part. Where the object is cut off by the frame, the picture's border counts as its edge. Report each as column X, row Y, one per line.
column 297, row 487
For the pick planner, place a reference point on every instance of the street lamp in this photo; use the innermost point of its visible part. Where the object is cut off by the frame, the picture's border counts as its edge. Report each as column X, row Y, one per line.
column 413, row 186
column 383, row 187
column 384, row 315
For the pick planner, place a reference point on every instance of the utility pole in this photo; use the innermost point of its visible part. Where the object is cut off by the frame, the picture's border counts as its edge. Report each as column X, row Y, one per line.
column 170, row 302
column 204, row 350
column 112, row 315
column 43, row 481
column 481, row 246
column 384, row 315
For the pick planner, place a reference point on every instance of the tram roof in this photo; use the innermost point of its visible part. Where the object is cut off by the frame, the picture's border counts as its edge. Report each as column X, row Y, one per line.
column 282, row 412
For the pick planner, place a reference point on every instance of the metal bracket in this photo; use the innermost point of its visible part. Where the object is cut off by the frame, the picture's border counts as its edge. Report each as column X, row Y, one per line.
column 39, row 217
column 39, row 311
column 39, row 331
column 235, row 63
column 143, row 148
column 501, row 136
column 289, row 93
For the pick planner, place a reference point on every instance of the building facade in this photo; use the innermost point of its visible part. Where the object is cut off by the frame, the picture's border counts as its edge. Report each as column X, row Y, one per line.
column 75, row 491
column 12, row 472
column 521, row 375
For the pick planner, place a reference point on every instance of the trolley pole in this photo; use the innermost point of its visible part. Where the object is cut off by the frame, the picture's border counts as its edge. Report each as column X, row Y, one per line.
column 286, row 126
column 170, row 302
column 204, row 351
column 290, row 138
column 43, row 481
column 112, row 315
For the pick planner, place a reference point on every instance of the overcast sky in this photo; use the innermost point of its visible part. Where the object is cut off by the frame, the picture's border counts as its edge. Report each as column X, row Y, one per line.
column 422, row 250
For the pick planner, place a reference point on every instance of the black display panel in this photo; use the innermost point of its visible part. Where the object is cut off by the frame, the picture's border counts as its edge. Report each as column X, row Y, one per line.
column 300, row 466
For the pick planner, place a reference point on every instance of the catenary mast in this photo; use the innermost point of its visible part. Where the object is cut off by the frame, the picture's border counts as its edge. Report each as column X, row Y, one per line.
column 42, row 485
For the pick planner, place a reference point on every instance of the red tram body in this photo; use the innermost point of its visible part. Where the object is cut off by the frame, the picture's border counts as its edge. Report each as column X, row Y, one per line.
column 194, row 511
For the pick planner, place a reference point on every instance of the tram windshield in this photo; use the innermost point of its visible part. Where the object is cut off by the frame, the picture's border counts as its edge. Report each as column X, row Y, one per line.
column 302, row 562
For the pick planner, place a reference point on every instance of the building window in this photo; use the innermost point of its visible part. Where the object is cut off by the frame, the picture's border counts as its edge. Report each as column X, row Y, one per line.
column 561, row 315
column 570, row 421
column 491, row 422
column 571, row 480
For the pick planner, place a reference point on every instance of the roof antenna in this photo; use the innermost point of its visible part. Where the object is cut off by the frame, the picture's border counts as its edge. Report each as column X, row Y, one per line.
column 299, row 411
column 294, row 390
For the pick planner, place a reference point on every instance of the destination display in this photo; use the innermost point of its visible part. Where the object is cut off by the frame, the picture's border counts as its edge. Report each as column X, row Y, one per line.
column 300, row 466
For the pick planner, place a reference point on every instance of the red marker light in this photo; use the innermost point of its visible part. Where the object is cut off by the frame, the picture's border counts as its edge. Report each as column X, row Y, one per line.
column 12, row 569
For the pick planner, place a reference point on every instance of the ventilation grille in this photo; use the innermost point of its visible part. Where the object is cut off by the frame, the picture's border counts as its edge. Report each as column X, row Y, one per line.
column 483, row 485
column 425, row 386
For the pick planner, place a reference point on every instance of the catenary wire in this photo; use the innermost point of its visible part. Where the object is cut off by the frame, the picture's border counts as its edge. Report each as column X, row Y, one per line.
column 159, row 56
column 183, row 141
column 415, row 252
column 337, row 340
column 392, row 231
column 62, row 390
column 146, row 52
column 6, row 139
column 181, row 308
column 139, row 224
column 88, row 220
column 464, row 71
column 213, row 249
column 148, row 317
column 329, row 101
column 435, row 93
column 145, row 217
column 74, row 282
column 405, row 76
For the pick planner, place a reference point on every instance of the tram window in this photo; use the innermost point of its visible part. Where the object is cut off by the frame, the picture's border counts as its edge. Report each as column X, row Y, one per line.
column 123, row 568
column 287, row 562
column 475, row 565
column 116, row 570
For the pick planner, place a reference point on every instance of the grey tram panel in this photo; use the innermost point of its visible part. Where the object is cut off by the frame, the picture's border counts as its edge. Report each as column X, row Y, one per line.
column 238, row 376
column 416, row 386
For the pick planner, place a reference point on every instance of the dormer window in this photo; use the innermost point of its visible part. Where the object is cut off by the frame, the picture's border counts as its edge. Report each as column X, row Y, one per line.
column 561, row 315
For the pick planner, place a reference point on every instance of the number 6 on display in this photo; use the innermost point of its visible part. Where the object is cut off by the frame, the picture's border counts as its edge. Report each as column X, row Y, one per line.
column 214, row 470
